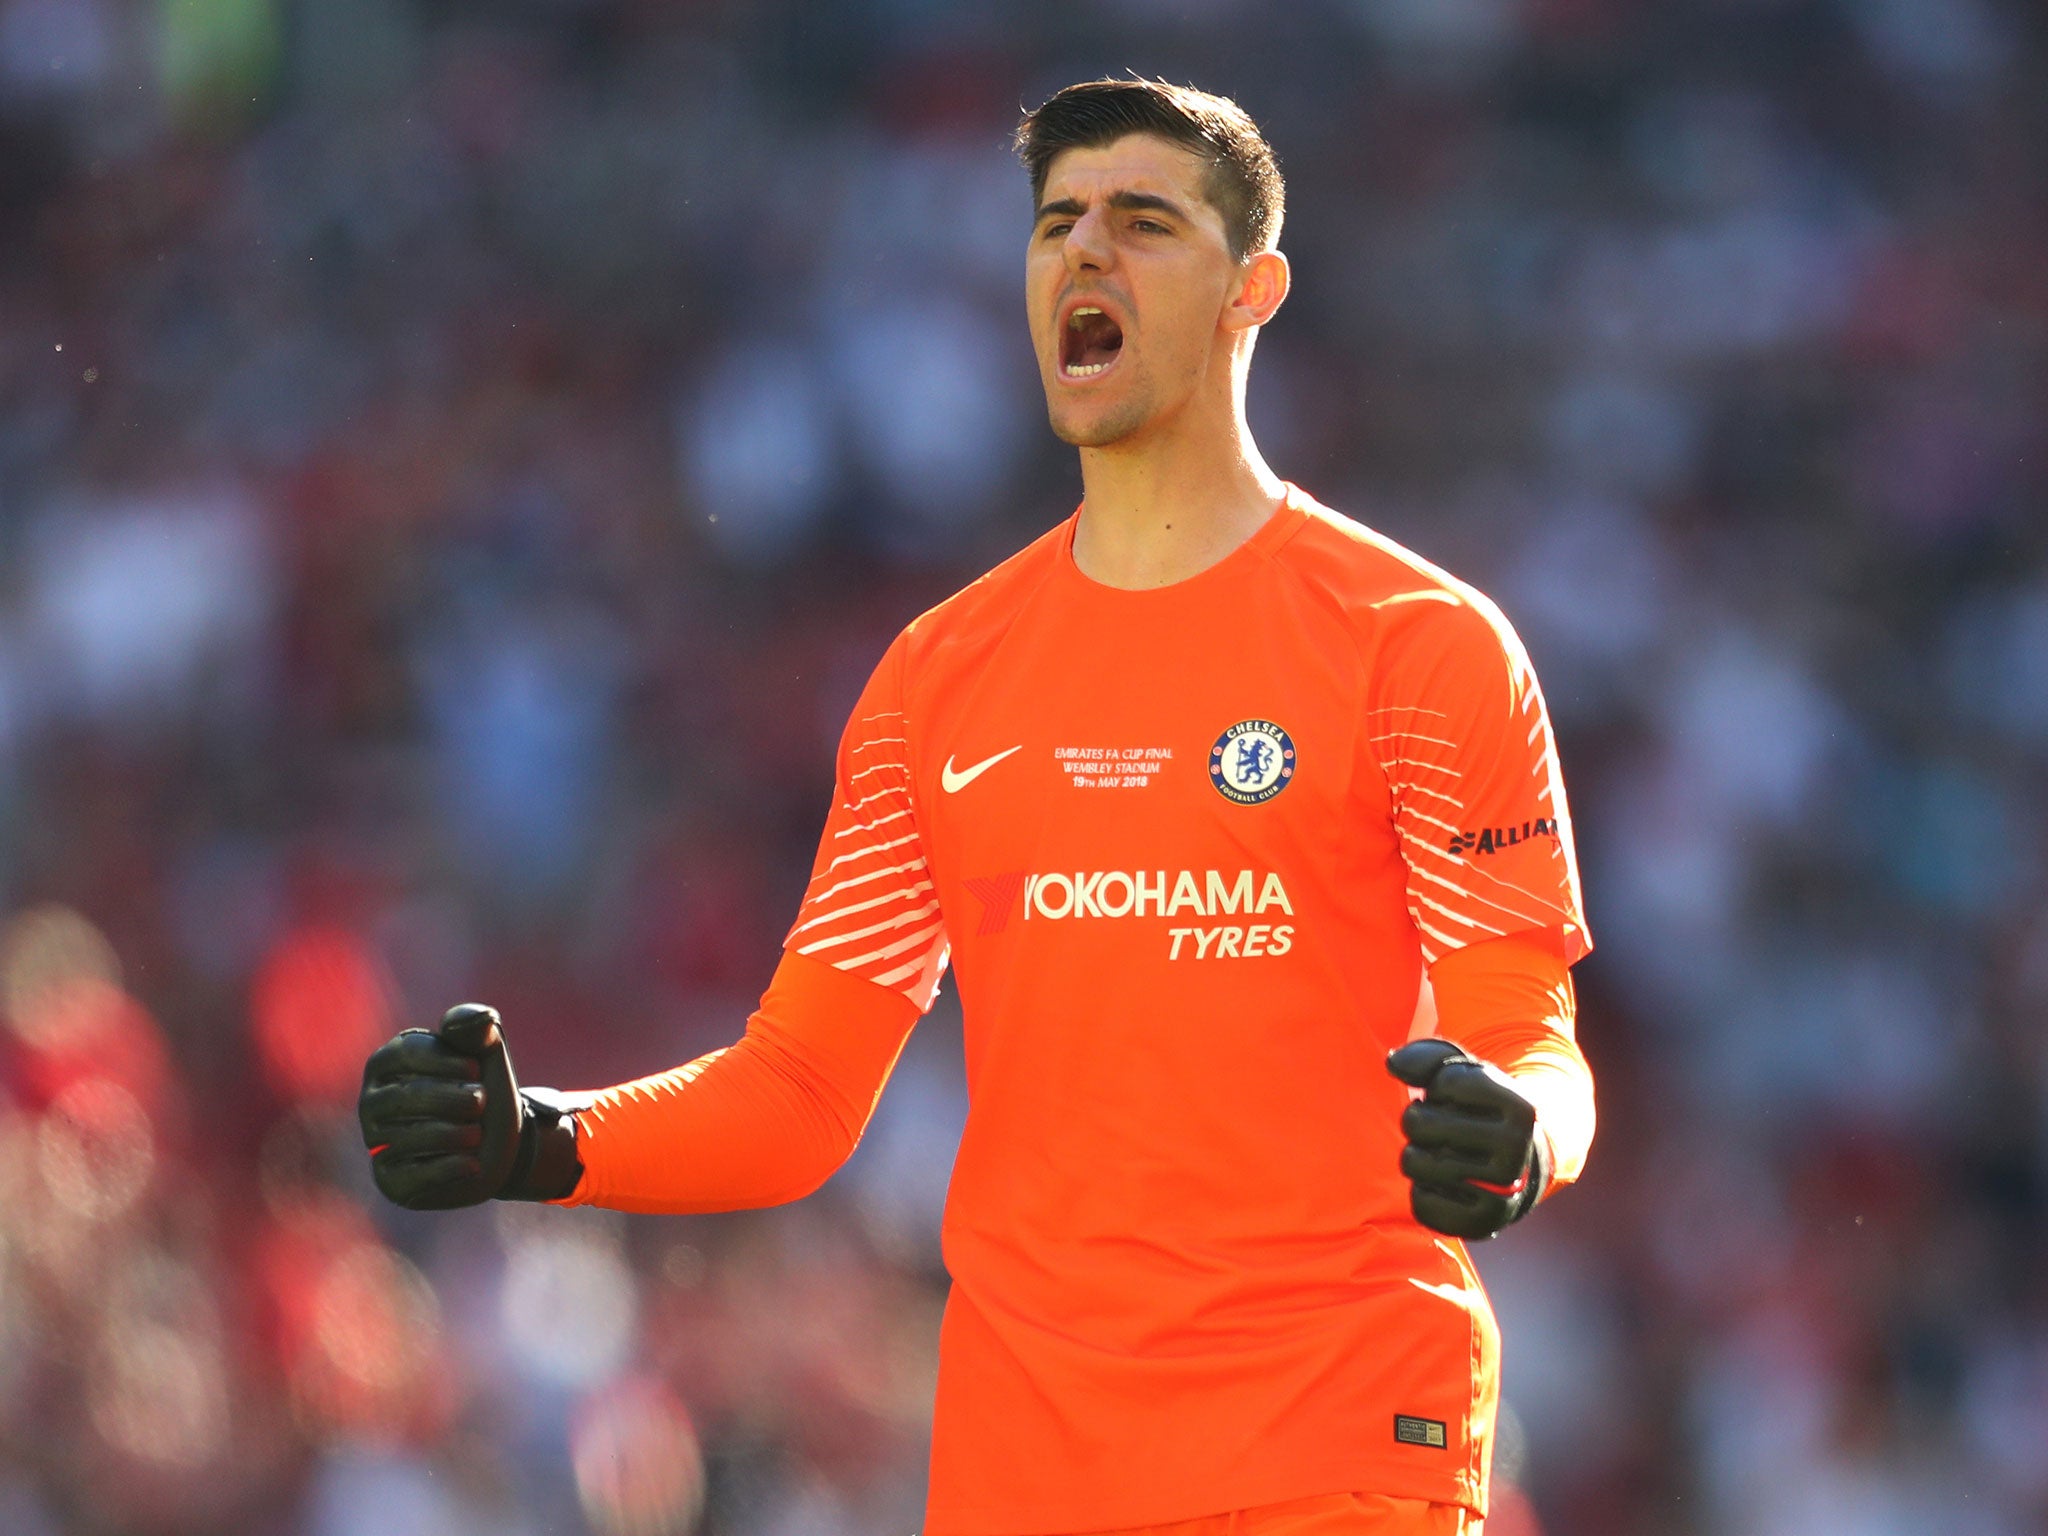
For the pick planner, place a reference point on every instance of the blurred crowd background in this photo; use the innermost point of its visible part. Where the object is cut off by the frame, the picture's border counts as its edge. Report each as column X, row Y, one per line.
column 458, row 462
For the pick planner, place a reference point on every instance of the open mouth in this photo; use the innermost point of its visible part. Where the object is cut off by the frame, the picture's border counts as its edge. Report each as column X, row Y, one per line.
column 1089, row 343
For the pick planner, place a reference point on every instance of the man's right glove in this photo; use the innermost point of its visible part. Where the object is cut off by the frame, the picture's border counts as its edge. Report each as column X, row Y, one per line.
column 447, row 1124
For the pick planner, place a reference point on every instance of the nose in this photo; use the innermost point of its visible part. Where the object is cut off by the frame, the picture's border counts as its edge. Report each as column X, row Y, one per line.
column 1088, row 247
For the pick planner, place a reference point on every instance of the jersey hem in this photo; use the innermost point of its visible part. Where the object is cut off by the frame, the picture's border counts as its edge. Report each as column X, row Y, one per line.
column 1394, row 1482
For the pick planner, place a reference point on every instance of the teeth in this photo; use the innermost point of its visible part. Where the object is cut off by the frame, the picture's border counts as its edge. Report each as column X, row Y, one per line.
column 1086, row 309
column 1082, row 370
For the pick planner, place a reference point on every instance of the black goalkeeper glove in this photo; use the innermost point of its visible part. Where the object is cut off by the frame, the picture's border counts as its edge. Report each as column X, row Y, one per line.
column 1473, row 1160
column 447, row 1124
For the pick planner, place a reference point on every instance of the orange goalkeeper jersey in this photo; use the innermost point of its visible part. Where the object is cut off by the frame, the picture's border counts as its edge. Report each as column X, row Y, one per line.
column 1189, row 850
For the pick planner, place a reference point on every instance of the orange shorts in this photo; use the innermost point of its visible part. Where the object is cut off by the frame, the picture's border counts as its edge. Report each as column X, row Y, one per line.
column 1328, row 1514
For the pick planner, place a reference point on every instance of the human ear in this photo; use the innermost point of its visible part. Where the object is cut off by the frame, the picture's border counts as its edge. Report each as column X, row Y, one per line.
column 1260, row 292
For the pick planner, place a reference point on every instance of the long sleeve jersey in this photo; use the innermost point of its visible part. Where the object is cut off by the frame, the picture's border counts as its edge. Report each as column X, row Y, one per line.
column 1190, row 853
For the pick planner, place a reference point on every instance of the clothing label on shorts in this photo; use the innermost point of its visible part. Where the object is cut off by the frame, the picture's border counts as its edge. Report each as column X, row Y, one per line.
column 1410, row 1430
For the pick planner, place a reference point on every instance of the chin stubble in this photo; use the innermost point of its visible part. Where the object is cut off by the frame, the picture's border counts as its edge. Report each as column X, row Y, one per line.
column 1112, row 429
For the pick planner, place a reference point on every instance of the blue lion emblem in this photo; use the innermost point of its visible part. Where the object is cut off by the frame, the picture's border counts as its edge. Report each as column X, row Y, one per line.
column 1252, row 762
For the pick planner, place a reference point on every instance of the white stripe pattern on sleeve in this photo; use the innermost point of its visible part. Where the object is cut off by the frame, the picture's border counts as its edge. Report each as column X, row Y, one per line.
column 870, row 909
column 1454, row 898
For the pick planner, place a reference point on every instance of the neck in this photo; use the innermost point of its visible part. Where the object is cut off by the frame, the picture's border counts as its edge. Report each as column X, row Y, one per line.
column 1171, row 502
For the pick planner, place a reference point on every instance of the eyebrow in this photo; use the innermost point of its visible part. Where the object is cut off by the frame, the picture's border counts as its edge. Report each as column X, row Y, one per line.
column 1123, row 202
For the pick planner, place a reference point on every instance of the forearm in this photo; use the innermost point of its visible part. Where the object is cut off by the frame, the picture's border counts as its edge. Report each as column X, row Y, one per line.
column 1554, row 1077
column 1510, row 1001
column 761, row 1122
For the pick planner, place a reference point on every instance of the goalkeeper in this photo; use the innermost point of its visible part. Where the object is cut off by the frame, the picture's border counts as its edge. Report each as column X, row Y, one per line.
column 1242, row 831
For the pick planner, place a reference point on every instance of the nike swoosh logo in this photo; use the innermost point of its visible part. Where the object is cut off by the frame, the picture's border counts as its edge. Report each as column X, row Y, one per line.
column 955, row 781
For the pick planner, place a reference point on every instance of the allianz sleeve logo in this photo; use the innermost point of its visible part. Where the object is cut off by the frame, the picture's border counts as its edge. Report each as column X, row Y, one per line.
column 1494, row 839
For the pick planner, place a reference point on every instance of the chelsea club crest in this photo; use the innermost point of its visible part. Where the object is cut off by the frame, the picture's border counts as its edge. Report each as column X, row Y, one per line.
column 1251, row 762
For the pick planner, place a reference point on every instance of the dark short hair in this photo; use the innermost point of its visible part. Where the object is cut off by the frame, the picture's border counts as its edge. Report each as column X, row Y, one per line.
column 1244, row 182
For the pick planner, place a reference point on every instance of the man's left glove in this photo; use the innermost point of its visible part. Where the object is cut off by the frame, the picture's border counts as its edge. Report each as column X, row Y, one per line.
column 447, row 1124
column 1474, row 1159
